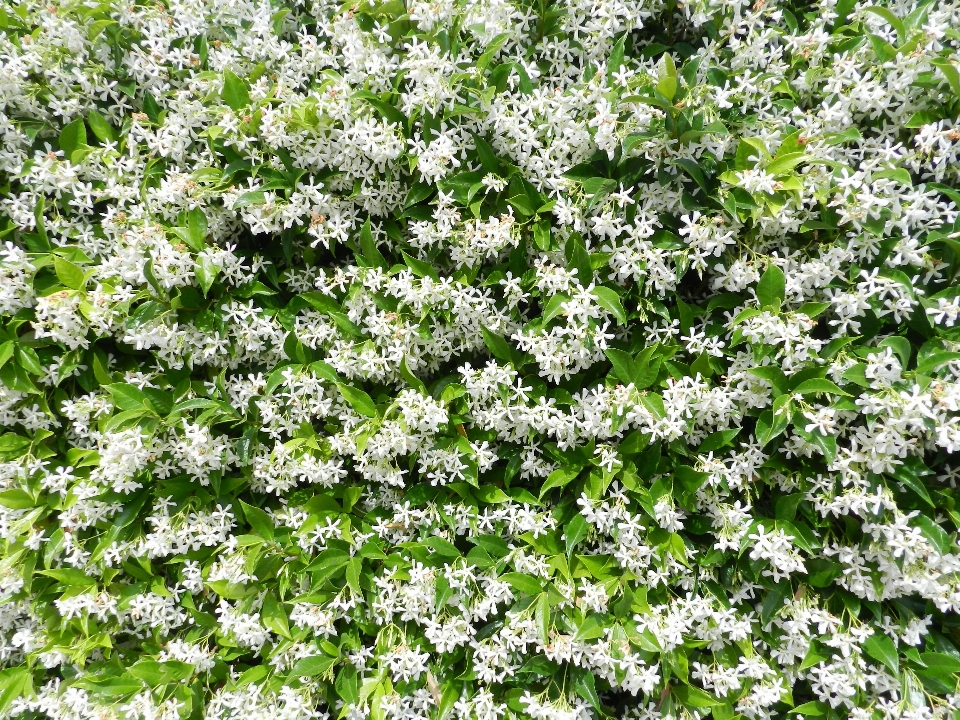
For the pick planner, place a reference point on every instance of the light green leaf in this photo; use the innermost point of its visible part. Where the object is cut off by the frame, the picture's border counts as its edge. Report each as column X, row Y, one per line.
column 206, row 272
column 609, row 300
column 772, row 286
column 69, row 274
column 73, row 137
column 524, row 583
column 443, row 547
column 312, row 666
column 235, row 93
column 358, row 399
column 542, row 616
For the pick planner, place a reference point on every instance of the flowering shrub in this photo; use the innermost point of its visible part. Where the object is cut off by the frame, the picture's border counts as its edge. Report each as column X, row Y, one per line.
column 479, row 359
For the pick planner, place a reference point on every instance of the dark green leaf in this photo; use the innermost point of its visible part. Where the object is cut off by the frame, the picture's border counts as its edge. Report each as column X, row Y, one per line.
column 881, row 648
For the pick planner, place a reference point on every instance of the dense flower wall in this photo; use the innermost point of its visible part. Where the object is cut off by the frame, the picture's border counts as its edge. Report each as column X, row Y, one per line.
column 479, row 359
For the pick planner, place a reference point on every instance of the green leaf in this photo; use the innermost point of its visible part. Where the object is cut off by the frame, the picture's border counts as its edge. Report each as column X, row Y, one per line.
column 819, row 385
column 772, row 375
column 523, row 205
column 554, row 306
column 813, row 309
column 369, row 247
column 541, row 234
column 667, row 85
column 786, row 507
column 322, row 370
column 558, row 478
column 687, row 481
column 311, row 666
column 695, row 697
column 6, row 351
column 783, row 164
column 585, row 685
column 647, row 370
column 196, row 229
column 718, row 439
column 624, row 366
column 898, row 174
column 15, row 683
column 578, row 260
column 894, row 22
column 419, row 267
column 235, row 93
column 444, row 548
column 73, row 137
column 914, row 483
column 616, row 56
column 574, row 532
column 881, row 648
column 358, row 399
column 609, row 300
column 772, row 287
column 542, row 617
column 497, row 346
column 273, row 616
column 822, row 572
column 101, row 128
column 328, row 562
column 930, row 363
column 591, row 628
column 814, row 708
column 28, row 360
column 526, row 584
column 921, row 118
column 491, row 50
column 940, row 663
column 597, row 188
column 68, row 274
column 693, row 170
column 70, row 577
column 412, row 380
column 253, row 197
column 203, row 404
column 17, row 499
column 155, row 673
column 11, row 443
column 129, row 397
column 949, row 72
column 259, row 520
column 935, row 534
column 390, row 113
column 418, row 192
column 490, row 494
column 206, row 272
column 486, row 153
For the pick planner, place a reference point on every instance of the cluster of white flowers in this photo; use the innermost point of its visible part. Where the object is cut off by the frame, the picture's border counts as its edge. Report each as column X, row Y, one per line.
column 479, row 359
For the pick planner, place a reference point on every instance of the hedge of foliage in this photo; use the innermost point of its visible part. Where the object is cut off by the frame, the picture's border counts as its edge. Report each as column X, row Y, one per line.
column 479, row 359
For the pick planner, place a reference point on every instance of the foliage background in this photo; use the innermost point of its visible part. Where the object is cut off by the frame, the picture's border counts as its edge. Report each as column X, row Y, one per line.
column 479, row 359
